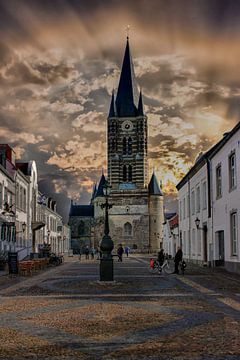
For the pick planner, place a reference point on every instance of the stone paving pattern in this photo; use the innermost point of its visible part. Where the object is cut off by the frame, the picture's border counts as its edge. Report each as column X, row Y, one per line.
column 66, row 313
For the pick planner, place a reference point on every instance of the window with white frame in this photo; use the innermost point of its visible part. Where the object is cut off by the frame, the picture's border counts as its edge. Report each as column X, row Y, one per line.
column 218, row 181
column 193, row 242
column 199, row 245
column 184, row 242
column 1, row 194
column 232, row 171
column 234, row 240
column 204, row 195
column 193, row 202
column 198, row 199
column 184, row 208
column 180, row 210
column 188, row 205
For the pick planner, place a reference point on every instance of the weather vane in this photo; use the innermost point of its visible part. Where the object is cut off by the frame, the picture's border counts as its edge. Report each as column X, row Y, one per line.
column 127, row 30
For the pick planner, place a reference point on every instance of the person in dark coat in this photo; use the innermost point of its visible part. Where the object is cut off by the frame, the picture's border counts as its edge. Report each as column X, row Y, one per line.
column 177, row 259
column 120, row 252
column 87, row 253
column 161, row 257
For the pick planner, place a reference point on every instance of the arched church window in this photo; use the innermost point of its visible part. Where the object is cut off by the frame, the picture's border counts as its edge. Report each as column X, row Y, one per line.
column 124, row 173
column 81, row 228
column 127, row 229
column 129, row 146
column 124, row 146
column 129, row 173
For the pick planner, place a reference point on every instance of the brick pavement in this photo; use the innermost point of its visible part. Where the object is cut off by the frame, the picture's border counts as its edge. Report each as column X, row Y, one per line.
column 66, row 313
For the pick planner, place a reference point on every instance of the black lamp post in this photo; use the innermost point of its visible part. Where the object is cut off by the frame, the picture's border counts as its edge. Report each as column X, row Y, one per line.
column 106, row 245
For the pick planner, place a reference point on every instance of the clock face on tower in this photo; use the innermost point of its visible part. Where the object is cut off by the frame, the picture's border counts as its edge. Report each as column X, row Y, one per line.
column 127, row 125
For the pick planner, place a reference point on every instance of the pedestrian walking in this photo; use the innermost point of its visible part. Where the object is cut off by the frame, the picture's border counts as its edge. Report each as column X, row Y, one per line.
column 87, row 253
column 120, row 252
column 92, row 252
column 177, row 259
column 79, row 255
column 97, row 252
column 127, row 250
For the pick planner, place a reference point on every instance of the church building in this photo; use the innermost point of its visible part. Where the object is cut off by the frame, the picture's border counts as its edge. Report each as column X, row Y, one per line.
column 136, row 217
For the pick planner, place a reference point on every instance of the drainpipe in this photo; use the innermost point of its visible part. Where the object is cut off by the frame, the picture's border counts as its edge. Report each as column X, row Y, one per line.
column 189, row 220
column 210, row 204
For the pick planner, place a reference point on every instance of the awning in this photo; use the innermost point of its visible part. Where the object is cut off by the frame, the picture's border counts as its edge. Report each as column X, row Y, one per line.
column 37, row 225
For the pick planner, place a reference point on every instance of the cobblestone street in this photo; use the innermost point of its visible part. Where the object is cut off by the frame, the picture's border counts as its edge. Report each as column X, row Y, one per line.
column 66, row 313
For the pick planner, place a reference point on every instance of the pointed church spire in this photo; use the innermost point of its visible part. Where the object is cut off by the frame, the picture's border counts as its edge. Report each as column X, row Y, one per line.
column 153, row 187
column 102, row 182
column 140, row 105
column 127, row 94
column 112, row 112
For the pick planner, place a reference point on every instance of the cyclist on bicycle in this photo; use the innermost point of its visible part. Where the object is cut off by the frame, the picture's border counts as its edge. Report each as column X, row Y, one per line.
column 161, row 257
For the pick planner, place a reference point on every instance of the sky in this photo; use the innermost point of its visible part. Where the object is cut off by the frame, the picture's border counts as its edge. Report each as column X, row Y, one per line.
column 60, row 60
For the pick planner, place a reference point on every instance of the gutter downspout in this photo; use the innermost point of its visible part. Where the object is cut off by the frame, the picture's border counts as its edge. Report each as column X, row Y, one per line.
column 210, row 205
column 189, row 220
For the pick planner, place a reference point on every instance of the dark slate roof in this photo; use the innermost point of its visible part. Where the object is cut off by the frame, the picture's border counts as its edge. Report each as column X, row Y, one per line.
column 169, row 215
column 94, row 192
column 100, row 186
column 112, row 112
column 127, row 95
column 153, row 187
column 201, row 160
column 82, row 210
column 140, row 105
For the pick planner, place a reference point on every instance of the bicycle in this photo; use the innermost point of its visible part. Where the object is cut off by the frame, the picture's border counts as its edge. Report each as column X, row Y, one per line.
column 155, row 267
column 183, row 266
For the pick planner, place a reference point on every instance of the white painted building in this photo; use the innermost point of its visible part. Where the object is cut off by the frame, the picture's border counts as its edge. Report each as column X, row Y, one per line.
column 209, row 193
column 170, row 234
column 225, row 164
column 24, row 221
column 22, row 204
column 7, row 199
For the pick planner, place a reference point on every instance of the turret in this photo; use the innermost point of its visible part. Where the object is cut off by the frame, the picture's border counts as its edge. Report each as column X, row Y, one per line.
column 156, row 219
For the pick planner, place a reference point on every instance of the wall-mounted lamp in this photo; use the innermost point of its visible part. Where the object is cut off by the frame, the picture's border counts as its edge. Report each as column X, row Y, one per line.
column 197, row 223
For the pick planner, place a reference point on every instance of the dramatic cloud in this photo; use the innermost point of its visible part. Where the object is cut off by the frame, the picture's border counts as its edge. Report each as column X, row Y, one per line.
column 60, row 60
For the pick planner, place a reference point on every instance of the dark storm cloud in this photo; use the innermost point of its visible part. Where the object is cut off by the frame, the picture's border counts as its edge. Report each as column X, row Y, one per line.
column 59, row 61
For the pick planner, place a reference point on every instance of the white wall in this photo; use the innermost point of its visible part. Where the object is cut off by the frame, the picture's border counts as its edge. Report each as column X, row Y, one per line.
column 228, row 202
column 192, row 239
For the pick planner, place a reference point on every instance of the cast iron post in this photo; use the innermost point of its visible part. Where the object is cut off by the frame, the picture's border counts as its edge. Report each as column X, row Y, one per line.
column 106, row 245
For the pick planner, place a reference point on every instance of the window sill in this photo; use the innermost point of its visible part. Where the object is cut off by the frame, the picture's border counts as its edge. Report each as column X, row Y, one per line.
column 232, row 189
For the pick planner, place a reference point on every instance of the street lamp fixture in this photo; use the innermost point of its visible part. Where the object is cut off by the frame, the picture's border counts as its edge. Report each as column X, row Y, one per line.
column 197, row 223
column 106, row 245
column 24, row 226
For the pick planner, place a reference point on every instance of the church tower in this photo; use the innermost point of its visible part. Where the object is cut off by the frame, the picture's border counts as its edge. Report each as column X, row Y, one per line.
column 127, row 133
